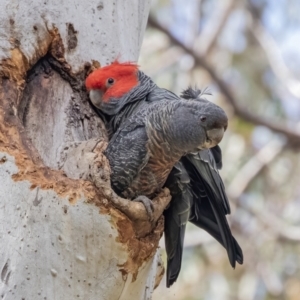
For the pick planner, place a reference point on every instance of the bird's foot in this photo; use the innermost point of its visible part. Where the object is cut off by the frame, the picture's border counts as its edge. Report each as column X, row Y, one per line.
column 148, row 206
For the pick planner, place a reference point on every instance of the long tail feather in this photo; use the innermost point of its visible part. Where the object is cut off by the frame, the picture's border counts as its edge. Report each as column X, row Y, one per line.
column 176, row 218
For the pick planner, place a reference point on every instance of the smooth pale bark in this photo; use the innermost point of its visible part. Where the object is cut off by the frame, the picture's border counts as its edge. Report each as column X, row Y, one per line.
column 60, row 236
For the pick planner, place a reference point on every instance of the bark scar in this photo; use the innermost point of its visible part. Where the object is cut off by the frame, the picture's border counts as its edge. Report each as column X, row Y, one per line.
column 5, row 273
column 36, row 200
column 72, row 38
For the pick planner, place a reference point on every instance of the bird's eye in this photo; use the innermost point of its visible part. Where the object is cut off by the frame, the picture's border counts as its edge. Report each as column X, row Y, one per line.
column 203, row 119
column 110, row 81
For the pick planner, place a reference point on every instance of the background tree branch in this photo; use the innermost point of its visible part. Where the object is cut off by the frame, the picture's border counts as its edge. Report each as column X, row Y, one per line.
column 209, row 35
column 273, row 54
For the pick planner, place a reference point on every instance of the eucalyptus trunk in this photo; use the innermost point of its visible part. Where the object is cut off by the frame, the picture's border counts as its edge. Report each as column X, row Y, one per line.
column 61, row 237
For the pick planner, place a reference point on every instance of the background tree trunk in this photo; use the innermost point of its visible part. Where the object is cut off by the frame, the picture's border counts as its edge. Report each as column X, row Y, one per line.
column 60, row 237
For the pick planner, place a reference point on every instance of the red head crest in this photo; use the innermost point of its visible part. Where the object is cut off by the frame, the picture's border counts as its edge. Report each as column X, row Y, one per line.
column 113, row 80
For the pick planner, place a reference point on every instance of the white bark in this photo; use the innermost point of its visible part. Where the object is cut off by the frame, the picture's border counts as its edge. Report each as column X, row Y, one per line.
column 60, row 238
column 106, row 29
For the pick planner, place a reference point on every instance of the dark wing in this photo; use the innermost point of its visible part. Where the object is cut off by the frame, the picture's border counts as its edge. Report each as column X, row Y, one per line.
column 176, row 218
column 207, row 223
column 210, row 204
column 217, row 154
column 204, row 163
column 127, row 154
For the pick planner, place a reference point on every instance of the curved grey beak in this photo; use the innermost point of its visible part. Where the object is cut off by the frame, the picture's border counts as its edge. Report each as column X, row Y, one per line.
column 96, row 97
column 215, row 135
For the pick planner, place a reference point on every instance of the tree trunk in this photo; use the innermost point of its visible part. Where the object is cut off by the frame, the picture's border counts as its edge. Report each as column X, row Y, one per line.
column 61, row 238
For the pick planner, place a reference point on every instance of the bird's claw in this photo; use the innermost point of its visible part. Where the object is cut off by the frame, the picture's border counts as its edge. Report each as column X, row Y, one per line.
column 148, row 206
